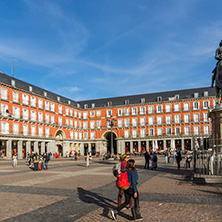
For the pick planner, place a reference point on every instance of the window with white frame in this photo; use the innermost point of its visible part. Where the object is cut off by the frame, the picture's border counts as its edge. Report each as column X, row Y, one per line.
column 33, row 115
column 134, row 110
column 126, row 133
column 187, row 130
column 168, row 119
column 196, row 105
column 98, row 113
column 40, row 131
column 206, row 130
column 25, row 114
column 33, row 130
column 85, row 135
column 159, row 131
column 205, row 117
column 33, row 101
column 30, row 88
column 75, row 124
column 46, row 105
column 60, row 109
column 71, row 112
column 80, row 115
column 196, row 130
column 196, row 117
column 85, row 125
column 25, row 129
column 16, row 112
column 126, row 111
column 142, row 132
column 60, row 121
column 150, row 109
column 92, row 125
column 92, row 113
column 76, row 135
column 142, row 100
column 52, row 119
column 126, row 122
column 80, row 135
column 177, row 118
column 168, row 130
column 150, row 120
column 71, row 123
column 4, row 93
column 15, row 128
column 71, row 134
column 52, row 107
column 205, row 93
column 120, row 112
column 67, row 111
column 120, row 123
column 4, row 127
column 25, row 99
column 15, row 96
column 40, row 103
column 176, row 107
column 75, row 113
column 186, row 118
column 186, row 106
column 196, row 95
column 109, row 113
column 142, row 110
column 92, row 135
column 206, row 104
column 168, row 108
column 142, row 121
column 151, row 132
column 159, row 108
column 98, row 124
column 134, row 121
column 159, row 120
column 177, row 130
column 13, row 82
column 4, row 109
column 47, row 132
column 40, row 117
column 134, row 133
column 80, row 125
column 85, row 115
column 214, row 103
column 47, row 118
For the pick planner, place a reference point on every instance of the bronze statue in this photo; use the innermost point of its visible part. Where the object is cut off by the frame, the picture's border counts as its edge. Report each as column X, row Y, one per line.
column 218, row 73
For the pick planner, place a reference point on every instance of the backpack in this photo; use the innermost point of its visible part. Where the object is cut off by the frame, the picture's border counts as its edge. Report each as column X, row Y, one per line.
column 155, row 158
column 122, row 180
column 117, row 169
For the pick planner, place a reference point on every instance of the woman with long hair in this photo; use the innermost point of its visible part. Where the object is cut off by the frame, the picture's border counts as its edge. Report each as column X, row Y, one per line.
column 130, row 192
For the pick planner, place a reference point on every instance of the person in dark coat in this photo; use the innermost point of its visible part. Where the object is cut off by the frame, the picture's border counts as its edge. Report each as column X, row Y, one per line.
column 147, row 160
column 178, row 158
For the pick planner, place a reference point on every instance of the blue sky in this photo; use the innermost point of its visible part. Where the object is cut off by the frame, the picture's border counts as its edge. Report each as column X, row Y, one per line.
column 90, row 49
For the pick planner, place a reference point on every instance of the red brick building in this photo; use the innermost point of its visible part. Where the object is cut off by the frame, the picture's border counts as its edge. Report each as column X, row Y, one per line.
column 36, row 120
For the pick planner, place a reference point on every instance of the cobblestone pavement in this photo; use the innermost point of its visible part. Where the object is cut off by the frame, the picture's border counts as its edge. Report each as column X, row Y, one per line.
column 69, row 191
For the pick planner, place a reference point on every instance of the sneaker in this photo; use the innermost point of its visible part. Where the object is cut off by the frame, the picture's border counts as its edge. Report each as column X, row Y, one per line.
column 113, row 214
column 138, row 219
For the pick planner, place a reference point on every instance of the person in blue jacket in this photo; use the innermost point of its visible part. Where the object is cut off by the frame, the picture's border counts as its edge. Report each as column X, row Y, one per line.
column 130, row 192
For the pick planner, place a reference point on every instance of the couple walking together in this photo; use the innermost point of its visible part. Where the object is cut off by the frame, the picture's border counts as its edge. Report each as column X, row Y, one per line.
column 128, row 165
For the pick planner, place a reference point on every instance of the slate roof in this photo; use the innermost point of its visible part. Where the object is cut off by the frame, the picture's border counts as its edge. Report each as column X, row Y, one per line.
column 115, row 101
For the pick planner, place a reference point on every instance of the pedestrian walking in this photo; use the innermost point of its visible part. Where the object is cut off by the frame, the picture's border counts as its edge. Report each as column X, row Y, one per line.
column 123, row 159
column 87, row 159
column 178, row 158
column 166, row 156
column 147, row 160
column 130, row 192
column 154, row 159
column 174, row 156
column 14, row 160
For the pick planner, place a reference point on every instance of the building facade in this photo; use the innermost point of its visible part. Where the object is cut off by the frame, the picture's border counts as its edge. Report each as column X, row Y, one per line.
column 36, row 120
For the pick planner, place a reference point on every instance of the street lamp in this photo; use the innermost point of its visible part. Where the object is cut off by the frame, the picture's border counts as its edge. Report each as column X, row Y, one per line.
column 111, row 122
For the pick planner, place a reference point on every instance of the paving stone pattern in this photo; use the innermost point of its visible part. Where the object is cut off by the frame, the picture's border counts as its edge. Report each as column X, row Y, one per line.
column 69, row 191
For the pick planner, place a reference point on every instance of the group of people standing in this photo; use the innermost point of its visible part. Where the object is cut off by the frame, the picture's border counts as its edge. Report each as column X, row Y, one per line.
column 150, row 157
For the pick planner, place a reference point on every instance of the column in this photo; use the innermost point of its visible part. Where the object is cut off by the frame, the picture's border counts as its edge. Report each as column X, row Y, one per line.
column 42, row 147
column 8, row 149
column 139, row 146
column 89, row 148
column 36, row 143
column 118, row 146
column 164, row 144
column 20, row 149
column 28, row 147
column 182, row 144
column 191, row 143
column 131, row 146
column 81, row 149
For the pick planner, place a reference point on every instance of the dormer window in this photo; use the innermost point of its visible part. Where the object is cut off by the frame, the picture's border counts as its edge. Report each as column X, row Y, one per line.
column 143, row 100
column 58, row 98
column 78, row 105
column 159, row 98
column 30, row 88
column 177, row 97
column 93, row 105
column 206, row 94
column 127, row 102
column 69, row 102
column 45, row 94
column 109, row 103
column 196, row 95
column 13, row 82
column 85, row 106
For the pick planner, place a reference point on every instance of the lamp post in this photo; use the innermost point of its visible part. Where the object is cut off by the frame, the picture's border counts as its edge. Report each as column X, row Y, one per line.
column 111, row 122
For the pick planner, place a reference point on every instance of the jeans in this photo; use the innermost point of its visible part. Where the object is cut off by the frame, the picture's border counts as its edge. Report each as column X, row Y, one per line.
column 166, row 159
column 46, row 164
